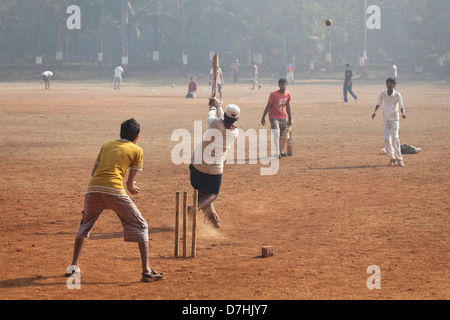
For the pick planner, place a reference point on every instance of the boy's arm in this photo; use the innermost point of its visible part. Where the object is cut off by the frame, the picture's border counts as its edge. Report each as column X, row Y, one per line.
column 131, row 187
column 94, row 169
column 350, row 81
column 288, row 110
column 380, row 101
column 213, row 113
column 266, row 111
column 403, row 113
column 351, row 78
column 375, row 111
column 402, row 107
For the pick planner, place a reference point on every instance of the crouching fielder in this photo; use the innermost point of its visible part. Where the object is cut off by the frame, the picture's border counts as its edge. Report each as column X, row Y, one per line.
column 392, row 101
column 209, row 156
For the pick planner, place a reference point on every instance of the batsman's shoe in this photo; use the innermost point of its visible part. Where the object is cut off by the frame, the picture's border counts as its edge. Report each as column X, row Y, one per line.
column 392, row 163
column 152, row 276
column 73, row 269
column 401, row 164
column 213, row 218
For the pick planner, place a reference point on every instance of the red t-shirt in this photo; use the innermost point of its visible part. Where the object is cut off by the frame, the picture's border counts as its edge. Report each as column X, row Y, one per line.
column 192, row 87
column 278, row 101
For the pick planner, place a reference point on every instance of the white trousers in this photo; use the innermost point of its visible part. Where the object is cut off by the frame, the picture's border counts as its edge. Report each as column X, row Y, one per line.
column 392, row 140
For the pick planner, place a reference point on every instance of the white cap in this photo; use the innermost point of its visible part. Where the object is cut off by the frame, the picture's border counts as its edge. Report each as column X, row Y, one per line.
column 232, row 111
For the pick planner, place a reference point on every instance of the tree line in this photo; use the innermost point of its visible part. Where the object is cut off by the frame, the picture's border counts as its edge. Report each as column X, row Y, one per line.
column 183, row 34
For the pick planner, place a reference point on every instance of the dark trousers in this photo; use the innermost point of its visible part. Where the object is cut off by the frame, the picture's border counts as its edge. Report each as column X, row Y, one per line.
column 348, row 88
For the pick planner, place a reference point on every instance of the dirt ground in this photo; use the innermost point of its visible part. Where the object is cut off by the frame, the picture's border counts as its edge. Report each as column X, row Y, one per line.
column 332, row 210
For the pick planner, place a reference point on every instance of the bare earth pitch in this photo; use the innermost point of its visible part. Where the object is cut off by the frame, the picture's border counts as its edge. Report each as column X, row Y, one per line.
column 333, row 209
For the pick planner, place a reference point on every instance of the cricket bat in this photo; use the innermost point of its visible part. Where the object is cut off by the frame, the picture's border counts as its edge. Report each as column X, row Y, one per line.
column 290, row 145
column 214, row 76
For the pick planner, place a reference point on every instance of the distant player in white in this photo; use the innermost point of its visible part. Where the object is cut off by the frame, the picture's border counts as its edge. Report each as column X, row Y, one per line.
column 46, row 75
column 393, row 102
column 220, row 81
column 118, row 77
column 394, row 71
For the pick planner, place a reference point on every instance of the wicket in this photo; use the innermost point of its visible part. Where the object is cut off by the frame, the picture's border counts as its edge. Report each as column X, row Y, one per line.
column 185, row 224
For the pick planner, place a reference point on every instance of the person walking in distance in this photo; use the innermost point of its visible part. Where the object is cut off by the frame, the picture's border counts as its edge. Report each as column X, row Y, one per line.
column 348, row 83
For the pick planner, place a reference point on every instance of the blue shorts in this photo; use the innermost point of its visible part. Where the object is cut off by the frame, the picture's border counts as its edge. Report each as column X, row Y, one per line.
column 207, row 183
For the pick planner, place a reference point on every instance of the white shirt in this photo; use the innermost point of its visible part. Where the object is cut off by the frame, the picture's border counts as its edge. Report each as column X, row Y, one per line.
column 210, row 154
column 394, row 71
column 219, row 75
column 47, row 73
column 118, row 72
column 391, row 105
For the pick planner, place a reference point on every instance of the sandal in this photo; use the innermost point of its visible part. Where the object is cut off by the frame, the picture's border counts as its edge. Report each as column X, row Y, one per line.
column 152, row 276
column 73, row 269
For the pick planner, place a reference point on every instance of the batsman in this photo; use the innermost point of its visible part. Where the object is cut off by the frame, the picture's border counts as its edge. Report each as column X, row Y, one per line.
column 207, row 162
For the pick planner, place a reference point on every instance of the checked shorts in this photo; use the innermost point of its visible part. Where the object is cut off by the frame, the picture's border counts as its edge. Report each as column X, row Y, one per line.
column 135, row 228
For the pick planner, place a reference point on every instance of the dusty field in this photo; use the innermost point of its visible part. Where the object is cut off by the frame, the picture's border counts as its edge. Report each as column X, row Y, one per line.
column 332, row 210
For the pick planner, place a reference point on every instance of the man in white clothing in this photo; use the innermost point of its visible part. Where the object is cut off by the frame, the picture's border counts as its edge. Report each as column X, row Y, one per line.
column 220, row 81
column 394, row 71
column 210, row 154
column 118, row 76
column 393, row 102
column 46, row 75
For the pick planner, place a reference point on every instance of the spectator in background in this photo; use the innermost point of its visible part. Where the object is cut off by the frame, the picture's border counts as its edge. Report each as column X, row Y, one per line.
column 192, row 89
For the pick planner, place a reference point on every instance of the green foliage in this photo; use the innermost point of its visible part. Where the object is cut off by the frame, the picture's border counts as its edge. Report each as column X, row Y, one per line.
column 279, row 30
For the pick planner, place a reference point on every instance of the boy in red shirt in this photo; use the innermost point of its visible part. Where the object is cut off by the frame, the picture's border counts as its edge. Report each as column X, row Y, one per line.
column 192, row 89
column 279, row 101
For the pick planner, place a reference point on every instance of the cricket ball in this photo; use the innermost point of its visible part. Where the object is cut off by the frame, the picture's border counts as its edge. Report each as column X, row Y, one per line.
column 328, row 22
